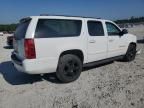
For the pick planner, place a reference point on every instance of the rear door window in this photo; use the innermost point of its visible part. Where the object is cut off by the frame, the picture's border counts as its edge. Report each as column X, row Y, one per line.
column 21, row 29
column 95, row 28
column 48, row 28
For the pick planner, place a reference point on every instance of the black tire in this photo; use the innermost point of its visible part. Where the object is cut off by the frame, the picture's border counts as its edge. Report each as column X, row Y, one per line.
column 69, row 68
column 131, row 53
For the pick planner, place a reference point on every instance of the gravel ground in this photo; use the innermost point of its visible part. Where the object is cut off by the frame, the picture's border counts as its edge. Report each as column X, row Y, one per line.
column 113, row 85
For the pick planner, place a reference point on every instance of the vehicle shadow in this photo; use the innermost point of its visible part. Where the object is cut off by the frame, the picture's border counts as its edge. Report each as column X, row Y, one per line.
column 13, row 77
column 8, row 47
column 86, row 68
column 51, row 77
column 140, row 41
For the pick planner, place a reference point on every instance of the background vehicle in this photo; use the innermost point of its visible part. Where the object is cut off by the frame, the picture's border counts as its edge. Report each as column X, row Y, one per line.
column 1, row 33
column 10, row 41
column 64, row 44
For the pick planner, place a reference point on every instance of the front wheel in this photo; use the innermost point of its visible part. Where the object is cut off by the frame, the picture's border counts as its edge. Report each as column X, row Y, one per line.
column 131, row 53
column 69, row 68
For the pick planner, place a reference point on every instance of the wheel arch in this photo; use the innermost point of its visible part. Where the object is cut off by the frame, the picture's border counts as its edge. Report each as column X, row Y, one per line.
column 79, row 53
column 133, row 43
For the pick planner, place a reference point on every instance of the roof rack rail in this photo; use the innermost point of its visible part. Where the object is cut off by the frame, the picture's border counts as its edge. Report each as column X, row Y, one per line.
column 68, row 16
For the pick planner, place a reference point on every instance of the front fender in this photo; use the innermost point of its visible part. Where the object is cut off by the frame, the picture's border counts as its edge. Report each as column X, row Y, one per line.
column 131, row 38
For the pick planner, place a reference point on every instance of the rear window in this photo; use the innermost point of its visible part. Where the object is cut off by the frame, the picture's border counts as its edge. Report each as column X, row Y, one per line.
column 48, row 28
column 21, row 29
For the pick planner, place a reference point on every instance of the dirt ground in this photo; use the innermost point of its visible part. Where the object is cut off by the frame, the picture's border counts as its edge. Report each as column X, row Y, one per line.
column 113, row 85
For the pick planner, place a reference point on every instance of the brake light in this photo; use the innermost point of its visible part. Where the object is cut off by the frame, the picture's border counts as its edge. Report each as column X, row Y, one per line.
column 29, row 47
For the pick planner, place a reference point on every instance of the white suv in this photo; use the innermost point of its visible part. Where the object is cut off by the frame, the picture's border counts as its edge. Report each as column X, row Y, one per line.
column 64, row 44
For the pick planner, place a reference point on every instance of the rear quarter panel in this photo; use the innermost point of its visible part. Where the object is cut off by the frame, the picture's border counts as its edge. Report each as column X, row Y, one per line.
column 51, row 48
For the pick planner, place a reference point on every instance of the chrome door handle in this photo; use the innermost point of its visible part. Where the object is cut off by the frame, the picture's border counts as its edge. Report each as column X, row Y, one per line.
column 92, row 41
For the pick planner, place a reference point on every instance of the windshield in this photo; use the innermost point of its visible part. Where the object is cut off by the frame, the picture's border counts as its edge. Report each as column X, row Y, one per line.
column 21, row 30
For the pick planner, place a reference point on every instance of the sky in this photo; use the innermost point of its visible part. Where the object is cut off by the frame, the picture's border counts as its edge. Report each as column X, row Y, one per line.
column 11, row 11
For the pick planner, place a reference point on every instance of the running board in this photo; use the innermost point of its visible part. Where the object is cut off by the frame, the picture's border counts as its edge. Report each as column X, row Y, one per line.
column 103, row 61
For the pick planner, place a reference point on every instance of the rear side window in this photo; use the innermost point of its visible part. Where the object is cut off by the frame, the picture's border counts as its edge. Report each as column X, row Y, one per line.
column 21, row 29
column 48, row 28
column 95, row 28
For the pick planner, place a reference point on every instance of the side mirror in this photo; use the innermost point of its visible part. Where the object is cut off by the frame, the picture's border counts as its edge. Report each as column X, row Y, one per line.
column 124, row 31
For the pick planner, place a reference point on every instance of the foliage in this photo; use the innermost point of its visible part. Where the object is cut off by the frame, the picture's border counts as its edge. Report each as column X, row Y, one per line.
column 8, row 27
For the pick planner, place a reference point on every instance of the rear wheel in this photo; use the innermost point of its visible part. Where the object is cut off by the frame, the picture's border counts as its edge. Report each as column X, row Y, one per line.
column 69, row 68
column 131, row 53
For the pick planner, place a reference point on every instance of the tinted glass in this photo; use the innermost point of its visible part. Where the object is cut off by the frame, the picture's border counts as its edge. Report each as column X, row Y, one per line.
column 95, row 28
column 112, row 29
column 21, row 30
column 47, row 28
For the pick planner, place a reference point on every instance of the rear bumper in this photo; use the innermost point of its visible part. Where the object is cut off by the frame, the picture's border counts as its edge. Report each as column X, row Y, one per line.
column 16, row 60
column 35, row 66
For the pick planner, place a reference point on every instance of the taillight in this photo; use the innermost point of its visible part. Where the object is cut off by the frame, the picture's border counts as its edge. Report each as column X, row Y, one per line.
column 29, row 48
